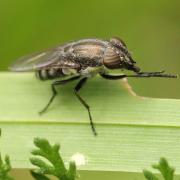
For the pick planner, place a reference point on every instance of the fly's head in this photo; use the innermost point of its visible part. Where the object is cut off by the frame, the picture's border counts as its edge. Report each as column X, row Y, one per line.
column 119, row 57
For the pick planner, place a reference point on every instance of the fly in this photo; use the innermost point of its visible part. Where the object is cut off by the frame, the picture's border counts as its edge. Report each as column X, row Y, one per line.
column 81, row 60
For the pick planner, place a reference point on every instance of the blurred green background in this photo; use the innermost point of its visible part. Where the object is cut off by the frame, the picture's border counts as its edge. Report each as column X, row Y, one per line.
column 151, row 30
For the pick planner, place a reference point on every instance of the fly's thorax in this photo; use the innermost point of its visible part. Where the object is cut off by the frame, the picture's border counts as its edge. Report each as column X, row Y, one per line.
column 87, row 53
column 112, row 59
column 86, row 48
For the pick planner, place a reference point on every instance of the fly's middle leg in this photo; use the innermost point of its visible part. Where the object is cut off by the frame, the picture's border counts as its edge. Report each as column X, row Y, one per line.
column 76, row 89
column 54, row 91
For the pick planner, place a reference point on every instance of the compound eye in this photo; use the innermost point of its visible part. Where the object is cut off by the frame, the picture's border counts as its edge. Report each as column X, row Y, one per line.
column 116, row 41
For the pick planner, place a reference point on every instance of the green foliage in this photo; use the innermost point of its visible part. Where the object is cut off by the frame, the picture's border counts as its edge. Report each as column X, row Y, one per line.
column 5, row 168
column 166, row 171
column 55, row 166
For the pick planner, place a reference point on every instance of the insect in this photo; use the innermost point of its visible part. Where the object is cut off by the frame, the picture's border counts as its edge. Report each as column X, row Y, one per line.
column 81, row 60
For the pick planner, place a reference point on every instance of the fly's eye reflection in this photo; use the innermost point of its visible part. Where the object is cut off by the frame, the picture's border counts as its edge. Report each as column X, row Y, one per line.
column 82, row 60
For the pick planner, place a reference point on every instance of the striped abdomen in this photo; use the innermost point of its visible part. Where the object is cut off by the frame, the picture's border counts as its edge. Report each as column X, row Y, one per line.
column 48, row 74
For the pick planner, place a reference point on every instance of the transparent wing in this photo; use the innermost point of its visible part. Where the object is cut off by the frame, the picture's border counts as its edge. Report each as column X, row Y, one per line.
column 36, row 61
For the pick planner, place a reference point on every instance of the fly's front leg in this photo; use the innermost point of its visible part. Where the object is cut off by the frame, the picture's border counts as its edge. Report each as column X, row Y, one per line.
column 139, row 75
column 76, row 89
column 113, row 77
column 54, row 91
column 154, row 74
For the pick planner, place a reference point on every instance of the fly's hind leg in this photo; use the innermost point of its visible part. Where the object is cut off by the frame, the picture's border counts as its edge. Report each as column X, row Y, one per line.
column 76, row 89
column 54, row 91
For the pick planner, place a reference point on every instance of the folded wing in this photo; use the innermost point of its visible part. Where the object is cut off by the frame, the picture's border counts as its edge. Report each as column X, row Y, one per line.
column 35, row 61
